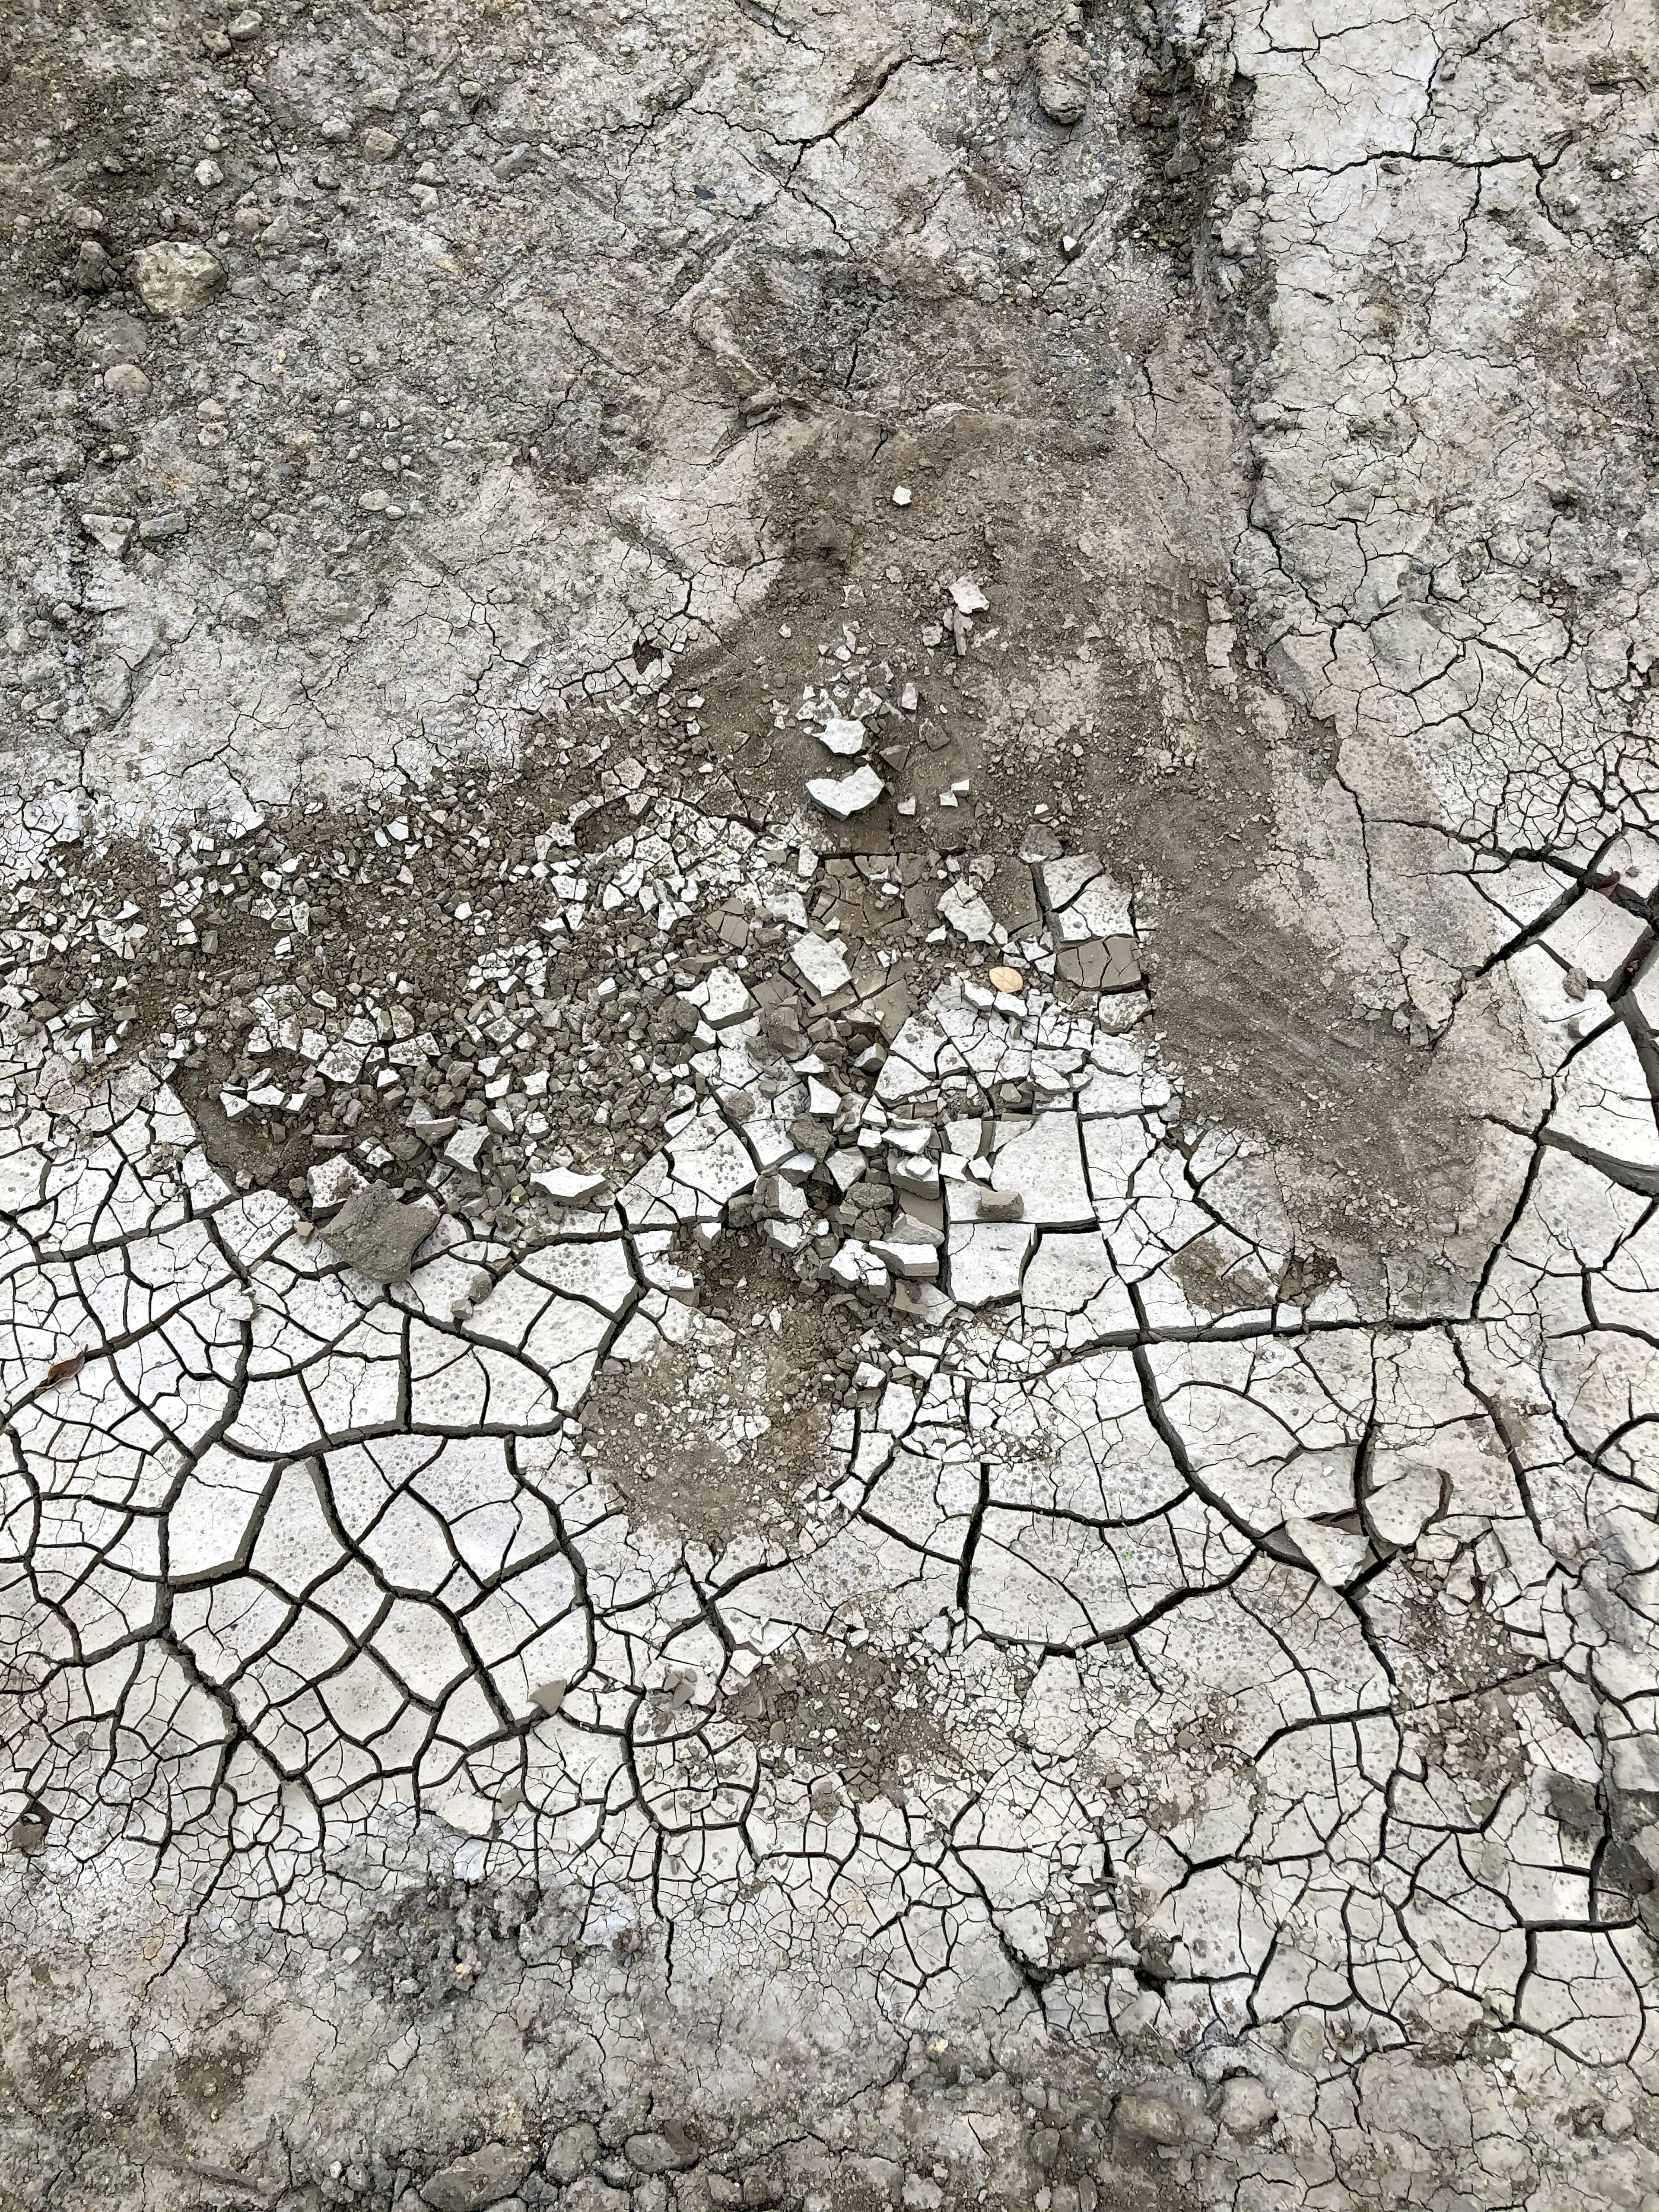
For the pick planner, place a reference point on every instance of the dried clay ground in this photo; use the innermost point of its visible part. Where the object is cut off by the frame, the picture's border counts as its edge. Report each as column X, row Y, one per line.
column 828, row 1106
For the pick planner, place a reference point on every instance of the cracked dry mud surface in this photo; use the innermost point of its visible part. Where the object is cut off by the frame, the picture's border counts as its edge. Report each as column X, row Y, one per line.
column 829, row 1112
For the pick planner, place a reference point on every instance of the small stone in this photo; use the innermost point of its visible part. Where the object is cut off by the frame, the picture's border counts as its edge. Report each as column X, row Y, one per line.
column 111, row 532
column 379, row 145
column 812, row 1137
column 1001, row 1206
column 1006, row 979
column 1063, row 80
column 30, row 1831
column 483, row 2178
column 962, row 908
column 378, row 1235
column 157, row 527
column 850, row 795
column 174, row 276
column 1153, row 2119
column 1244, row 2107
column 125, row 381
column 782, row 1032
column 247, row 25
column 900, row 494
column 383, row 100
column 108, row 339
column 967, row 597
column 575, row 2149
column 430, row 1128
column 652, row 2152
column 91, row 271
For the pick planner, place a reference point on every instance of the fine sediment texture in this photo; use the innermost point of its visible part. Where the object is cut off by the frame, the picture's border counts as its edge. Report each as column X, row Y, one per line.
column 829, row 1113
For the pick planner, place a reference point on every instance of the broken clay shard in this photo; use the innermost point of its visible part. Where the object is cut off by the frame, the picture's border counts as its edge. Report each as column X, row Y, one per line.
column 822, row 964
column 378, row 1235
column 841, row 736
column 568, row 1187
column 917, row 1262
column 1336, row 1555
column 848, row 795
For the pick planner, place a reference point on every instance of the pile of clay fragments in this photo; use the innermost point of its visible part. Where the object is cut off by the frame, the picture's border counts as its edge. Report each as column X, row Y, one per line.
column 459, row 1013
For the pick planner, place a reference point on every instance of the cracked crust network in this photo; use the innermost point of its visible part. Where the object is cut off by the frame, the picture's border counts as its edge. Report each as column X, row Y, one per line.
column 707, row 1500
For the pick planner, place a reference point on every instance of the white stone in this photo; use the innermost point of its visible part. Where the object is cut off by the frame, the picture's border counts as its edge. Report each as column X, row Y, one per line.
column 569, row 1186
column 842, row 736
column 708, row 1157
column 850, row 795
column 111, row 532
column 855, row 1265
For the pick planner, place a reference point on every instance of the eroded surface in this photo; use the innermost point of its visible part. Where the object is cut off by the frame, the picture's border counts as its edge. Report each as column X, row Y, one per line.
column 831, row 1124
